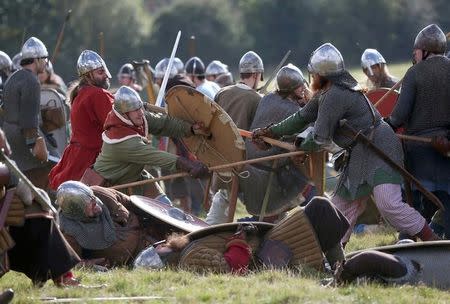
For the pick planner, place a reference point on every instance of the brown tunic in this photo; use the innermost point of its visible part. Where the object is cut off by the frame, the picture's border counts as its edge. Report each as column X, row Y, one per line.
column 240, row 102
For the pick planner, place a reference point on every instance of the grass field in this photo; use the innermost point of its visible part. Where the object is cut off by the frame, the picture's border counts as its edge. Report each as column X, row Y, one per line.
column 262, row 287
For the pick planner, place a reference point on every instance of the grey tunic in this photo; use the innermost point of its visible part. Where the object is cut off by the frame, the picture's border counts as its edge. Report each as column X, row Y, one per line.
column 423, row 109
column 21, row 103
column 364, row 169
column 288, row 181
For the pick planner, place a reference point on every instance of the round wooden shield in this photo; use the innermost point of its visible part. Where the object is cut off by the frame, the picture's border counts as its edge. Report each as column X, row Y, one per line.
column 432, row 256
column 225, row 145
column 386, row 107
column 168, row 214
column 54, row 121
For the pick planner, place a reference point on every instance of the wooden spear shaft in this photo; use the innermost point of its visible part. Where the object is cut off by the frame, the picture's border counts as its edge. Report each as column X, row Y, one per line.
column 273, row 142
column 426, row 140
column 214, row 168
column 60, row 37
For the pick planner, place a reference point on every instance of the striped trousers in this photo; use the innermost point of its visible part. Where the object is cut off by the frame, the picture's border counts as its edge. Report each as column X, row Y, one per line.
column 388, row 199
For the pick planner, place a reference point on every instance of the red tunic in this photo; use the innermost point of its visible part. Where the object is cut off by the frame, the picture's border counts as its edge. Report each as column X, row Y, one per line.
column 87, row 117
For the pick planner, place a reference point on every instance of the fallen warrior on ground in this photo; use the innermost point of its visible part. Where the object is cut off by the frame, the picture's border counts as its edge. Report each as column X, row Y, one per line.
column 300, row 239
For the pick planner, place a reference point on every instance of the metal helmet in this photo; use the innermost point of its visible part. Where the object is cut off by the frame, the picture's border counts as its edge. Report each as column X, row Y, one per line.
column 290, row 78
column 326, row 60
column 251, row 63
column 224, row 80
column 34, row 48
column 431, row 38
column 371, row 57
column 179, row 65
column 195, row 66
column 161, row 67
column 5, row 61
column 126, row 100
column 216, row 68
column 126, row 69
column 73, row 197
column 89, row 61
column 16, row 61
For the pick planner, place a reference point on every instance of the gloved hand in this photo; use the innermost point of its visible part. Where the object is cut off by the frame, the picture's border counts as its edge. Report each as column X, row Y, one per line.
column 199, row 128
column 195, row 168
column 257, row 135
column 441, row 144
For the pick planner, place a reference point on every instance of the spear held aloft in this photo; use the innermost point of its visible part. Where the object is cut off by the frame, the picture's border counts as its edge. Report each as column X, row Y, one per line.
column 60, row 37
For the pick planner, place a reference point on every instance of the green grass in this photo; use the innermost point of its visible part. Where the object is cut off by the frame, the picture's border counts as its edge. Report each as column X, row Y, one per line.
column 268, row 286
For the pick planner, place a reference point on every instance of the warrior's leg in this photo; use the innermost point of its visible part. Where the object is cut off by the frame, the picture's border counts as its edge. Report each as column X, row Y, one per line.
column 218, row 213
column 351, row 210
column 388, row 198
column 372, row 263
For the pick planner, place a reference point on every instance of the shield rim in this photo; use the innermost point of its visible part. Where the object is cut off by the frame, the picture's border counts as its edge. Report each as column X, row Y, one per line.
column 181, row 225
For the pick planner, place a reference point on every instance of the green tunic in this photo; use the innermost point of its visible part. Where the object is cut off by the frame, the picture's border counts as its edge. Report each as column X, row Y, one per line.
column 124, row 162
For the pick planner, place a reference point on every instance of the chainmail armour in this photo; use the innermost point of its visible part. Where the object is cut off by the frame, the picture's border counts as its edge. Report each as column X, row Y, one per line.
column 288, row 181
column 424, row 100
column 338, row 103
column 423, row 108
column 343, row 100
column 91, row 233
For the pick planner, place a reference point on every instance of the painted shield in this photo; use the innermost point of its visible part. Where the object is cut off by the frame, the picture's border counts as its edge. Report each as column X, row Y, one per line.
column 168, row 214
column 225, row 145
column 433, row 257
column 388, row 104
column 54, row 121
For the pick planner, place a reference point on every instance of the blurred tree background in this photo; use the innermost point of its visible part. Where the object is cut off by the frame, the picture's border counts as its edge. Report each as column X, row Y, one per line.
column 146, row 29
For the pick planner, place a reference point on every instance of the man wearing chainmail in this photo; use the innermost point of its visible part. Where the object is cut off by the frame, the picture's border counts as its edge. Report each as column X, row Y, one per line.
column 338, row 96
column 240, row 101
column 374, row 66
column 102, row 223
column 423, row 109
column 21, row 104
column 289, row 181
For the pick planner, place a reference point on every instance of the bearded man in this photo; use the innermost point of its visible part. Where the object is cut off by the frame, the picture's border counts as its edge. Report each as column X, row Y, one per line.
column 338, row 97
column 91, row 103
